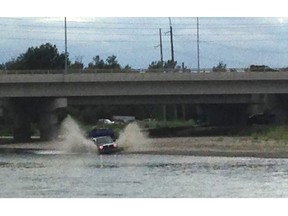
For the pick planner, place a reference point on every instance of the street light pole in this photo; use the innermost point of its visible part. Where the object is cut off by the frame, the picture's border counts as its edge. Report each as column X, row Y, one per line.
column 198, row 49
column 171, row 41
column 65, row 46
column 161, row 51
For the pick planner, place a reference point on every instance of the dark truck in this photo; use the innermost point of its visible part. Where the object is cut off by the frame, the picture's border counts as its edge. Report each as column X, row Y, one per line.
column 104, row 139
column 95, row 132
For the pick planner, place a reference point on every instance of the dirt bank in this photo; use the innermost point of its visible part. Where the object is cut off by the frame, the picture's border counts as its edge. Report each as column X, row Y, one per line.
column 197, row 146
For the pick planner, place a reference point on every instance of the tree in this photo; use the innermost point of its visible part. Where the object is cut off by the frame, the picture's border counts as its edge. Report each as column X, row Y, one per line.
column 155, row 65
column 112, row 63
column 170, row 64
column 98, row 63
column 162, row 65
column 46, row 56
column 2, row 66
column 221, row 67
column 78, row 64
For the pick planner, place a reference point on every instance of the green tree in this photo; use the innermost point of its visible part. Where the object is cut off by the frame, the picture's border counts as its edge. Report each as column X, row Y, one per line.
column 221, row 67
column 78, row 64
column 2, row 66
column 155, row 65
column 162, row 65
column 46, row 56
column 170, row 64
column 112, row 63
column 98, row 63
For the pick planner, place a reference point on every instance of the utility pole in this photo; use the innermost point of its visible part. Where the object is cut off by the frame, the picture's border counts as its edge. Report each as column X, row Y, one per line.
column 65, row 46
column 171, row 40
column 198, row 49
column 161, row 51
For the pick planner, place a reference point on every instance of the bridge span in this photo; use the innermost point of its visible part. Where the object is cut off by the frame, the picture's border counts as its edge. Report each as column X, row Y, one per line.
column 137, row 84
column 38, row 95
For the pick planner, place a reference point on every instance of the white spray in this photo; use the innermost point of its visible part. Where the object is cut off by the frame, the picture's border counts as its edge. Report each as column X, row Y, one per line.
column 132, row 139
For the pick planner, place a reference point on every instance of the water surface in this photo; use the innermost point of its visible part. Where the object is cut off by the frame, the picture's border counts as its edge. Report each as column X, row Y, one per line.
column 55, row 174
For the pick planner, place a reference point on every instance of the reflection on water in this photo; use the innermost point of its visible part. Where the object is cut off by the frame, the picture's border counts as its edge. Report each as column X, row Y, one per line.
column 45, row 174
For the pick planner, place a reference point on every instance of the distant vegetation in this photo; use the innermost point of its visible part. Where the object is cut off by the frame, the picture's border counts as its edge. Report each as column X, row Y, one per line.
column 221, row 67
column 275, row 132
column 153, row 124
column 47, row 56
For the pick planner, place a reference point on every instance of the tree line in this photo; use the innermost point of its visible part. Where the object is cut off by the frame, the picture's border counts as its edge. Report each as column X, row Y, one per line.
column 46, row 56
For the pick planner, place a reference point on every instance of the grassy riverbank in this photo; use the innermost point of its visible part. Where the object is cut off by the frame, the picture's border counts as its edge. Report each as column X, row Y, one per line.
column 278, row 133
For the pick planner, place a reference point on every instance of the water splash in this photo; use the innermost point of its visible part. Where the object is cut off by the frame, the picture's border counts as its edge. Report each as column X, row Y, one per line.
column 74, row 139
column 133, row 139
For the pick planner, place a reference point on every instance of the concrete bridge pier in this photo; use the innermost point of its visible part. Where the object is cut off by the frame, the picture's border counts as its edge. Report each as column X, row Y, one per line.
column 21, row 120
column 22, row 127
column 278, row 105
column 1, row 107
column 48, row 118
column 48, row 126
column 164, row 112
column 177, row 113
column 40, row 111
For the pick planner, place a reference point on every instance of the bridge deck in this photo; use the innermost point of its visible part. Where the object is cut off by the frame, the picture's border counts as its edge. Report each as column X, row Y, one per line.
column 135, row 77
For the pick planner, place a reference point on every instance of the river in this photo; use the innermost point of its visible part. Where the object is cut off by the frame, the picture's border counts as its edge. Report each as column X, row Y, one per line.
column 56, row 174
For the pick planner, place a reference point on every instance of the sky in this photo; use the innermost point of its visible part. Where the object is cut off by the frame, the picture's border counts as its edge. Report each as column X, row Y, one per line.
column 237, row 41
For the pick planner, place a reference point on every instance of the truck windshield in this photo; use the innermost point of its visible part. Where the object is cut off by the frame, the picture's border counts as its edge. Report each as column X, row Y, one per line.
column 103, row 140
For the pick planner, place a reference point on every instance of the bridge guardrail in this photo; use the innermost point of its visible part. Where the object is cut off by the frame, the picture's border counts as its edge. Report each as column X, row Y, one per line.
column 95, row 71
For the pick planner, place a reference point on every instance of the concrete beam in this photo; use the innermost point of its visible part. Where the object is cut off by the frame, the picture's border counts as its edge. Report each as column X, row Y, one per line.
column 57, row 85
column 164, row 99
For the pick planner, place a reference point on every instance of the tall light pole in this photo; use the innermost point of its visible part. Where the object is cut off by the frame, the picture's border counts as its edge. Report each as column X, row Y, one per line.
column 65, row 46
column 161, row 51
column 171, row 40
column 198, row 49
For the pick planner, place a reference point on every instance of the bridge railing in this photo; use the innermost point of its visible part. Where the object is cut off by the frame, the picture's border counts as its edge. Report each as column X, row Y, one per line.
column 95, row 71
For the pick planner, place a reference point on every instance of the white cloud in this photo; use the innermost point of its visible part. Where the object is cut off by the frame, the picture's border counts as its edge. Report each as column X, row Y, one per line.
column 238, row 41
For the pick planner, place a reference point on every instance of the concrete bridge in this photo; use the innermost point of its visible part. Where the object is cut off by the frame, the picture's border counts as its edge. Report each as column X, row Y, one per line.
column 38, row 95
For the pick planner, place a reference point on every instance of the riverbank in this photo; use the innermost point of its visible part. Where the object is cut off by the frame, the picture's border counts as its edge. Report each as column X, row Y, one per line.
column 195, row 146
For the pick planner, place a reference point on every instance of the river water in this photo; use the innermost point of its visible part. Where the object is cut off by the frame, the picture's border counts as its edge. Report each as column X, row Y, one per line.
column 58, row 174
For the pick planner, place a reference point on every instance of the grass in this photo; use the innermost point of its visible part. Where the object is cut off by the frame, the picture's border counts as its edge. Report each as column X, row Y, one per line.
column 278, row 133
column 154, row 124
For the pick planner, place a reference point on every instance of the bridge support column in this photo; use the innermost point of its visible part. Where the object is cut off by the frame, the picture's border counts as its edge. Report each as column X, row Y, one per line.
column 48, row 126
column 22, row 127
column 175, row 112
column 43, row 111
column 183, row 112
column 200, row 114
column 19, row 112
column 164, row 112
column 278, row 105
column 1, row 107
column 48, row 123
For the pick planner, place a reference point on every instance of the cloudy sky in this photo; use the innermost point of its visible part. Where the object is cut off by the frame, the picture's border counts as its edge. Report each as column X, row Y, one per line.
column 238, row 42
